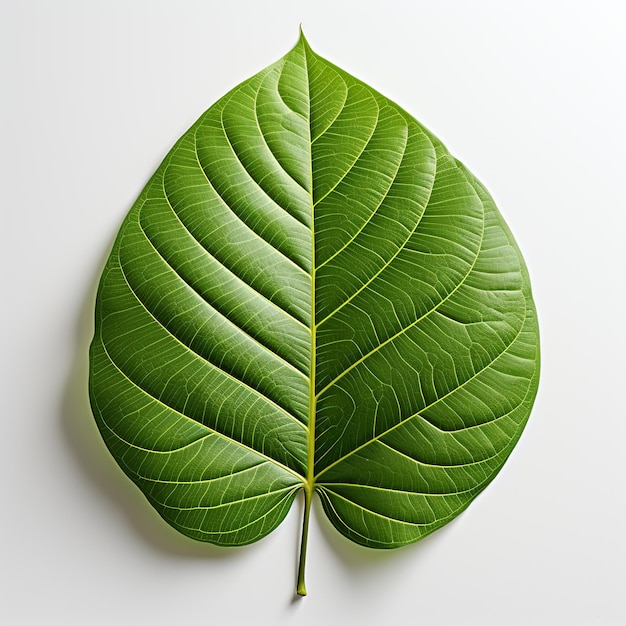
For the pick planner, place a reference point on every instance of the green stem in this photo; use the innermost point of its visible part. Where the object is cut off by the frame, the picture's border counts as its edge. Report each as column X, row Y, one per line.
column 310, row 481
column 308, row 493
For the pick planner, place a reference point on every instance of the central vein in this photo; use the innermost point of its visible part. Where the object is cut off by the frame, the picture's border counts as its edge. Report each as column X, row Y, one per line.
column 309, row 482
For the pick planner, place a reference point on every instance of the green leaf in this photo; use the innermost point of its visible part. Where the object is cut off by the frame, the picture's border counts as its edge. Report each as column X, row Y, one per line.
column 312, row 293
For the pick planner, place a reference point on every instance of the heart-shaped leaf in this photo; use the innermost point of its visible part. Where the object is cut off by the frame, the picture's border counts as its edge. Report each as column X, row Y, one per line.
column 311, row 293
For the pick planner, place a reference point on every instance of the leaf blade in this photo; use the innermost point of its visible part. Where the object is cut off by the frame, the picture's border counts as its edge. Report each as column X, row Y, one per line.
column 311, row 292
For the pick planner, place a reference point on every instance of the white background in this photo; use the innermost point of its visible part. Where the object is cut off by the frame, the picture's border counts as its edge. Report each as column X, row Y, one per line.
column 530, row 95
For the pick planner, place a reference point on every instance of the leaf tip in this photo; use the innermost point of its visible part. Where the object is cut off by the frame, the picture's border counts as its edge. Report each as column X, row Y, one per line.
column 302, row 39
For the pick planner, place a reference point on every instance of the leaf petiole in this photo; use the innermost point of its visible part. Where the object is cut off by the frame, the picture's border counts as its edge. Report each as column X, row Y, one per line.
column 308, row 494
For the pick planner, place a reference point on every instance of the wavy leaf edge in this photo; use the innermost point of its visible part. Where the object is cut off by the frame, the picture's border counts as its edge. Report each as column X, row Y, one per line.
column 312, row 293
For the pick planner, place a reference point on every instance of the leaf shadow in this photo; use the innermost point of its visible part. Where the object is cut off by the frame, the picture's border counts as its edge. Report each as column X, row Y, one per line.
column 86, row 447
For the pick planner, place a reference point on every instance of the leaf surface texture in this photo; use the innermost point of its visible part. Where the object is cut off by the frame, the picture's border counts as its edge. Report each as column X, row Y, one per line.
column 311, row 292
